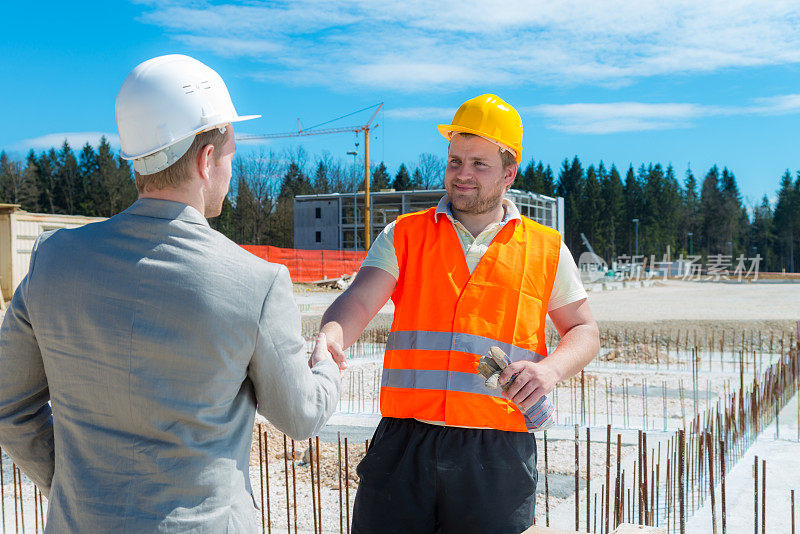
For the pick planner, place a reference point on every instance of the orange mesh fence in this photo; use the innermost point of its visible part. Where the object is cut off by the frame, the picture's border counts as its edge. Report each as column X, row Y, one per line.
column 311, row 265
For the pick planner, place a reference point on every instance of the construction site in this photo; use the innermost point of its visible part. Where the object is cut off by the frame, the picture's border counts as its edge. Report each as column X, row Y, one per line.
column 563, row 239
column 688, row 420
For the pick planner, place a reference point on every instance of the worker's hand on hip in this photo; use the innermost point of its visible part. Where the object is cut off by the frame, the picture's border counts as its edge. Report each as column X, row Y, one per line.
column 532, row 382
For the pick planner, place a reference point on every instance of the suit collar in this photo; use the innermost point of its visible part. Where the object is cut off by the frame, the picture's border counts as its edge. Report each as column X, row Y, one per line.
column 166, row 209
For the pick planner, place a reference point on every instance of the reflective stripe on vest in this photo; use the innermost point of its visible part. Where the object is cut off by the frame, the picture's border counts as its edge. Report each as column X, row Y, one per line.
column 479, row 345
column 535, row 417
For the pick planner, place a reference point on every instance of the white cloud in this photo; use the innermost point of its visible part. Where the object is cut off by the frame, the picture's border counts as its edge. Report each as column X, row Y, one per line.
column 75, row 139
column 243, row 139
column 232, row 47
column 419, row 46
column 616, row 117
column 778, row 105
column 431, row 113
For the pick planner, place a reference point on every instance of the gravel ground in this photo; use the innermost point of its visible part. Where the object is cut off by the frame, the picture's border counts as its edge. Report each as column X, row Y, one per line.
column 671, row 307
column 560, row 454
column 672, row 303
column 298, row 476
column 694, row 302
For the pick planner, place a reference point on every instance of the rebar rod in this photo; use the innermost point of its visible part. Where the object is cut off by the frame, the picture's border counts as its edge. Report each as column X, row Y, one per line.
column 319, row 486
column 261, row 474
column 710, row 454
column 608, row 476
column 588, row 477
column 286, row 482
column 2, row 491
column 266, row 479
column 294, row 489
column 763, row 496
column 617, row 487
column 16, row 510
column 681, row 467
column 339, row 472
column 577, row 486
column 313, row 483
column 546, row 485
column 755, row 494
column 347, row 484
column 722, row 478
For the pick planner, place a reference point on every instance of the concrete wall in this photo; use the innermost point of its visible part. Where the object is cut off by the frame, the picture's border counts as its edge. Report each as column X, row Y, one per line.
column 316, row 225
column 18, row 232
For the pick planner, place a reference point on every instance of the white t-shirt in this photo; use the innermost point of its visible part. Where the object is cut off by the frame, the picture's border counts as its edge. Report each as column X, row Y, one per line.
column 567, row 287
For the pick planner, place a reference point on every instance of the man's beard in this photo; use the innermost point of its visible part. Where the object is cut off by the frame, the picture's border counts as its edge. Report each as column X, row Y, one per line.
column 478, row 204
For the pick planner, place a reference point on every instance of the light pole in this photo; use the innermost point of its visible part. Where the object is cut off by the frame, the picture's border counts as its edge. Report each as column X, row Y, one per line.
column 636, row 222
column 691, row 250
column 730, row 245
column 355, row 201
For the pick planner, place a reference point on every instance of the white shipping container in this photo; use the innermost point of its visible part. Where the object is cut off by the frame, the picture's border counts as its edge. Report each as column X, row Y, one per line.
column 18, row 232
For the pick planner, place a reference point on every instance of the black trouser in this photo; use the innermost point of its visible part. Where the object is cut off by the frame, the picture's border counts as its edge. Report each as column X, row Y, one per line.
column 421, row 478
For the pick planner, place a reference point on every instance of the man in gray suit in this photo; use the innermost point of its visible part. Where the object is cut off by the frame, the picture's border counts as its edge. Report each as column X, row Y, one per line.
column 134, row 354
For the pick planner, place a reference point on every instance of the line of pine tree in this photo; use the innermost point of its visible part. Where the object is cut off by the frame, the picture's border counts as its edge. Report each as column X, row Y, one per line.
column 95, row 183
column 705, row 217
column 699, row 215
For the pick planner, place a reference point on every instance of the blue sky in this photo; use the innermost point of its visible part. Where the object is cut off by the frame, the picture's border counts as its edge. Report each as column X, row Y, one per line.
column 681, row 82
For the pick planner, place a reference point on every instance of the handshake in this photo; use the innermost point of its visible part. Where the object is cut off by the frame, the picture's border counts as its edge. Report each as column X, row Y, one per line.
column 327, row 349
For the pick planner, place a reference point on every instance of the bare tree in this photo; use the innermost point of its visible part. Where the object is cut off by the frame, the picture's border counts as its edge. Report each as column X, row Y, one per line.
column 431, row 171
column 299, row 156
column 262, row 172
column 338, row 177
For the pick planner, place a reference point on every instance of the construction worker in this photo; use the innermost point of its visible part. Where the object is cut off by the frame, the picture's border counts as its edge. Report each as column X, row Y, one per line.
column 134, row 354
column 450, row 455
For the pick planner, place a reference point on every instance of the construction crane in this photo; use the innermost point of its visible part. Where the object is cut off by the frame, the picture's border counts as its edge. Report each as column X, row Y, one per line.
column 586, row 242
column 594, row 264
column 355, row 129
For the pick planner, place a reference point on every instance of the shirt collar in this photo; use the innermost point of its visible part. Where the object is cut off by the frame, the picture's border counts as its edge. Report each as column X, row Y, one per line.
column 166, row 209
column 511, row 211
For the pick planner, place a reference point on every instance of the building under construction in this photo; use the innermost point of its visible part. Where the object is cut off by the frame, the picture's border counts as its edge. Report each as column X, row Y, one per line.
column 335, row 221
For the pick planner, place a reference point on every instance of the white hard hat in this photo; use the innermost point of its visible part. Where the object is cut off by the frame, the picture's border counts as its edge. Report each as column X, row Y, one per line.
column 161, row 106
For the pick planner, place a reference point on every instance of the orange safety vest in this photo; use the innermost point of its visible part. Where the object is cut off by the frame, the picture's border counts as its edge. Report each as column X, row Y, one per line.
column 445, row 319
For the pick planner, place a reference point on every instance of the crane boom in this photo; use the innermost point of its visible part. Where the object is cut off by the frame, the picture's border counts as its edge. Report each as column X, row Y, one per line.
column 344, row 129
column 302, row 133
column 586, row 242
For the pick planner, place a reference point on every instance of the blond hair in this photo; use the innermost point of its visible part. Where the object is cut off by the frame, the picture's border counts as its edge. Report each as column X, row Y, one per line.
column 180, row 172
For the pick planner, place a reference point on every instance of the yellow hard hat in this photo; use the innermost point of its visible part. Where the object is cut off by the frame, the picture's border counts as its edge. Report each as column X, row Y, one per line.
column 488, row 116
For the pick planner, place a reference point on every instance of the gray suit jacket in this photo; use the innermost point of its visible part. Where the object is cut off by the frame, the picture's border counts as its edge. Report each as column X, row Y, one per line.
column 154, row 338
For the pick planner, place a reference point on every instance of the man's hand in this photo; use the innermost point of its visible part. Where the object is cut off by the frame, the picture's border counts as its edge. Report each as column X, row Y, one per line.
column 349, row 314
column 320, row 351
column 580, row 342
column 337, row 353
column 533, row 381
column 326, row 348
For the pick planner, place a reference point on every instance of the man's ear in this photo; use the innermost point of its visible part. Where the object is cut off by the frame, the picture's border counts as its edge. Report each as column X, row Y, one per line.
column 511, row 174
column 204, row 160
